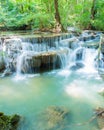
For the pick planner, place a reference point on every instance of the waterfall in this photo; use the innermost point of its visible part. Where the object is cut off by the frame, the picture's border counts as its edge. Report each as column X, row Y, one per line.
column 45, row 54
column 75, row 56
column 89, row 57
column 27, row 48
column 19, row 63
column 37, row 55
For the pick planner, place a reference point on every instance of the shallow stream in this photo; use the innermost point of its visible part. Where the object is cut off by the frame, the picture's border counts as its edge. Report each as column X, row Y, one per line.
column 30, row 95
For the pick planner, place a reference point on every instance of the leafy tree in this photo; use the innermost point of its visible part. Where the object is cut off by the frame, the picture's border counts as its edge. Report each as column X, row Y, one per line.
column 58, row 14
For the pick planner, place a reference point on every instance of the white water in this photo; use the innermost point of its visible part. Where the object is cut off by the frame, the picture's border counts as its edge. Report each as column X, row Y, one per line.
column 89, row 62
column 32, row 49
column 68, row 60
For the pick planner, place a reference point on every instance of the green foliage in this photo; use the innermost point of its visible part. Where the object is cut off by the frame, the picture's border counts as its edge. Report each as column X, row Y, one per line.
column 30, row 14
column 99, row 20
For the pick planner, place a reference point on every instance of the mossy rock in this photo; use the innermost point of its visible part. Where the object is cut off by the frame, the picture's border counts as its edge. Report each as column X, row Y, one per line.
column 9, row 122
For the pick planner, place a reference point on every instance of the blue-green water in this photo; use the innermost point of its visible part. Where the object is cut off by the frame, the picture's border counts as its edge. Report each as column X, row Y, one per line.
column 29, row 97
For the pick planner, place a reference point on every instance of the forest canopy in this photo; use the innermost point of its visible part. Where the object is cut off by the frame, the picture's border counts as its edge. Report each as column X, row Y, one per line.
column 43, row 14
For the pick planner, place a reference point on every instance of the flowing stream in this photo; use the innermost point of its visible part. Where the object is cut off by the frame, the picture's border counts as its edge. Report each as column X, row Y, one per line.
column 30, row 97
column 75, row 87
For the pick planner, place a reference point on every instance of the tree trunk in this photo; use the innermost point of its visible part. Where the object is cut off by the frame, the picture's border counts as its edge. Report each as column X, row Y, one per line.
column 93, row 14
column 59, row 25
column 93, row 10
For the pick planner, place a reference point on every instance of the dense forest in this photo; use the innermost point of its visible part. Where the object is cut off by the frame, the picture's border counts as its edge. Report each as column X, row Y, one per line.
column 51, row 14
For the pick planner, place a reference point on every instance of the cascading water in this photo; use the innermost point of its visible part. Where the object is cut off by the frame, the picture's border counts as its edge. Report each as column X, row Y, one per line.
column 82, row 59
column 33, row 56
column 36, row 56
column 75, row 56
column 89, row 58
column 19, row 63
column 26, row 48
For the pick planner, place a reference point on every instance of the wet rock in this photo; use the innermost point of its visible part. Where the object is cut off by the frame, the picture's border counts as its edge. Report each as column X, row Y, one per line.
column 12, row 44
column 89, row 35
column 2, row 63
column 91, row 44
column 100, row 117
column 6, row 72
column 79, row 53
column 70, row 43
column 9, row 122
column 101, row 44
column 43, row 61
column 100, row 57
column 54, row 118
column 47, row 38
column 76, row 66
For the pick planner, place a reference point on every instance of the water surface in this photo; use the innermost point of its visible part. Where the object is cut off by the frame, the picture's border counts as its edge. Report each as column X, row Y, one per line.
column 30, row 95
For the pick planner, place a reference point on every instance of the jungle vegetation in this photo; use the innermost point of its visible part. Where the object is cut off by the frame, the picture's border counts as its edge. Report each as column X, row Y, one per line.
column 51, row 14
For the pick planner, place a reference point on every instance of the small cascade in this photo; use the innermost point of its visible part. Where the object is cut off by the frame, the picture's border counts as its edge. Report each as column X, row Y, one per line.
column 82, row 59
column 34, row 58
column 89, row 60
column 64, row 59
column 19, row 63
column 100, row 64
column 76, row 56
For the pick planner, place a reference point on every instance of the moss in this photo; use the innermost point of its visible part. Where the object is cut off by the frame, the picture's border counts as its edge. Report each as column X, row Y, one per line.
column 9, row 122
